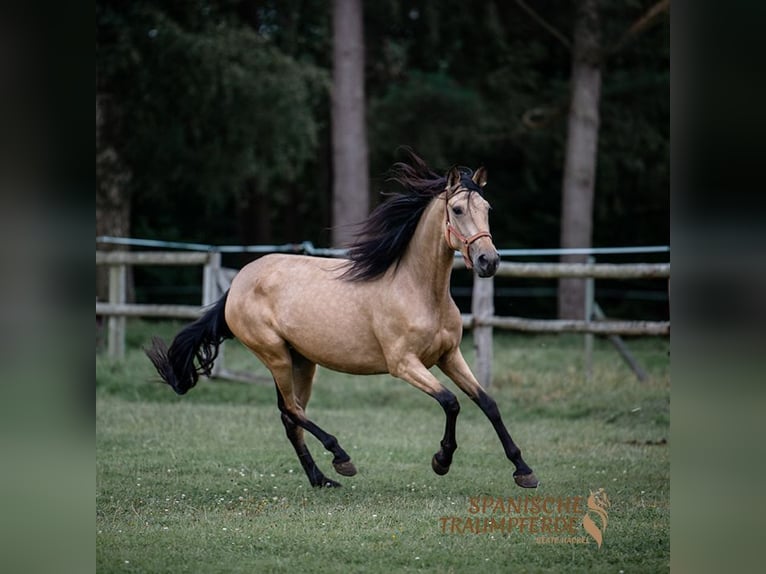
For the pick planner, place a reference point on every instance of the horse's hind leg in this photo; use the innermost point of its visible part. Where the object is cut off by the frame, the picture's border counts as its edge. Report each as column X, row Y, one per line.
column 293, row 375
column 295, row 435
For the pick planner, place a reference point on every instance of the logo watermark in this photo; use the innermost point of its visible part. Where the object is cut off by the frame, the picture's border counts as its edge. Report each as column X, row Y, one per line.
column 553, row 520
column 598, row 503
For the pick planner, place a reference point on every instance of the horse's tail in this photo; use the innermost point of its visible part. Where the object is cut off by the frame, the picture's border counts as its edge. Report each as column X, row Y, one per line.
column 199, row 341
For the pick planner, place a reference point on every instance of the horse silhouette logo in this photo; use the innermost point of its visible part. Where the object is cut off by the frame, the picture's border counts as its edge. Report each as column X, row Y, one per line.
column 598, row 502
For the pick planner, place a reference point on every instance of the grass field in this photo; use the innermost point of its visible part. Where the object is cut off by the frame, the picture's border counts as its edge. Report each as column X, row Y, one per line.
column 209, row 483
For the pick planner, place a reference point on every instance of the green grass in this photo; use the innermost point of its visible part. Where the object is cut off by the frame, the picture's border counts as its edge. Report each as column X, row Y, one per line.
column 209, row 483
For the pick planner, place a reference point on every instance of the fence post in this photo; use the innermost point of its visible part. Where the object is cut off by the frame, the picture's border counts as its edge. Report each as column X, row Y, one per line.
column 116, row 325
column 210, row 291
column 210, row 294
column 589, row 299
column 482, row 307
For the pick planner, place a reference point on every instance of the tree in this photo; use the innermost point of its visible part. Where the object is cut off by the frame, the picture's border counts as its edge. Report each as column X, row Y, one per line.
column 112, row 185
column 349, row 133
column 581, row 152
column 213, row 114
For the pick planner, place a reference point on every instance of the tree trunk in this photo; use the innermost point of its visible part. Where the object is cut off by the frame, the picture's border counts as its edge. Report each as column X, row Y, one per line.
column 581, row 152
column 254, row 214
column 112, row 194
column 349, row 135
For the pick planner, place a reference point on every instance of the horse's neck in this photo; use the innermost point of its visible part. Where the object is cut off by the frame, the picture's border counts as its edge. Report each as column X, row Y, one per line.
column 428, row 260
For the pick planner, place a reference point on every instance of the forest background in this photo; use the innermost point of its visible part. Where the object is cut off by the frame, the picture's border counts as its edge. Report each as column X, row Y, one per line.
column 215, row 119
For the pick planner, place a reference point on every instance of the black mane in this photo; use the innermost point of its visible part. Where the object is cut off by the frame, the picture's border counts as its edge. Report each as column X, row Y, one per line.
column 384, row 236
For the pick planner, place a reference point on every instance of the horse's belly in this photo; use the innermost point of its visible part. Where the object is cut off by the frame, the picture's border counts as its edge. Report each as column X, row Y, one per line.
column 349, row 362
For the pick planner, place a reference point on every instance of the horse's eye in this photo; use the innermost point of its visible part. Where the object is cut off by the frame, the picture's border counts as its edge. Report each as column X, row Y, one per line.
column 457, row 210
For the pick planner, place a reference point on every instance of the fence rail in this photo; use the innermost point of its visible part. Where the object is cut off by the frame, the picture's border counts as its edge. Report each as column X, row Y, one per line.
column 602, row 327
column 585, row 270
column 481, row 320
column 144, row 310
column 151, row 258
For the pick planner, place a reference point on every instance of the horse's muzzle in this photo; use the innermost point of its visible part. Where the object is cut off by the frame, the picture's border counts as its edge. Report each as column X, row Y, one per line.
column 486, row 265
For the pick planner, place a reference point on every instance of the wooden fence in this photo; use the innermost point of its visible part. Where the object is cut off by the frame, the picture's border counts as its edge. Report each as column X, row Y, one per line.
column 117, row 308
column 481, row 320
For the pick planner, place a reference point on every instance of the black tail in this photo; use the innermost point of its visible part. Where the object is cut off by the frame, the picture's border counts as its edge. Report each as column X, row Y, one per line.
column 199, row 341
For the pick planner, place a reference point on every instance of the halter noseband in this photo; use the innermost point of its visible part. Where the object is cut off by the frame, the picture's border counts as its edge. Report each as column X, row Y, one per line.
column 465, row 242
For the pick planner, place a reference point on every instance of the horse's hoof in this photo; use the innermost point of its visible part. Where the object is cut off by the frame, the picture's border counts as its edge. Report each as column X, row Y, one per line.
column 438, row 468
column 345, row 468
column 526, row 480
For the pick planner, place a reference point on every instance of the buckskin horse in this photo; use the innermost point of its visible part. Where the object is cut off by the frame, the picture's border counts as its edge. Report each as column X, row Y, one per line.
column 385, row 309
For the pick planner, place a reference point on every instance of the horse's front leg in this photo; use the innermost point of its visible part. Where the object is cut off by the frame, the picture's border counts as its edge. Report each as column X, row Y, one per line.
column 454, row 366
column 412, row 370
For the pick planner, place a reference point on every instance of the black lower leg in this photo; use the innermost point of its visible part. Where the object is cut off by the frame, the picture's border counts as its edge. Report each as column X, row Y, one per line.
column 443, row 459
column 327, row 440
column 341, row 460
column 315, row 476
column 489, row 407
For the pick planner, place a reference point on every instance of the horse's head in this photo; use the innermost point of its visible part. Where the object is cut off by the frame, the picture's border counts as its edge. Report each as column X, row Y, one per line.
column 467, row 221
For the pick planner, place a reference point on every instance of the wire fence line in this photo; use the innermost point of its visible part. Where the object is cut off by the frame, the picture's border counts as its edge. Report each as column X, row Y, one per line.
column 308, row 248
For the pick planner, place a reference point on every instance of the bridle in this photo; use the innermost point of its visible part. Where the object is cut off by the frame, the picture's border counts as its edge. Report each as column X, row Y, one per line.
column 465, row 242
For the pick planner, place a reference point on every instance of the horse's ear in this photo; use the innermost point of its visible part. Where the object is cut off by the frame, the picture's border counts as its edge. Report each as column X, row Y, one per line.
column 453, row 178
column 480, row 177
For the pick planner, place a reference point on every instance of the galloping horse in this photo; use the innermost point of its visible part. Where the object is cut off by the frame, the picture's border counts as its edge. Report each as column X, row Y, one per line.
column 387, row 309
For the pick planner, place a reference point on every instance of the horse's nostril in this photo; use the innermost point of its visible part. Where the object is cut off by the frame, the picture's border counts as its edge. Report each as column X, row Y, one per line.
column 482, row 258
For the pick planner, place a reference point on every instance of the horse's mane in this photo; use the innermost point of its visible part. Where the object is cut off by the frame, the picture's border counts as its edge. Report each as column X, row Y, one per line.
column 384, row 236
